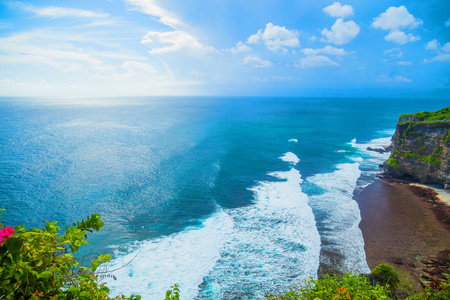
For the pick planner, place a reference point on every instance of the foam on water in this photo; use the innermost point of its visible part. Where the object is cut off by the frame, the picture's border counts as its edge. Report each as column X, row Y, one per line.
column 293, row 141
column 371, row 160
column 339, row 229
column 290, row 157
column 274, row 243
column 183, row 258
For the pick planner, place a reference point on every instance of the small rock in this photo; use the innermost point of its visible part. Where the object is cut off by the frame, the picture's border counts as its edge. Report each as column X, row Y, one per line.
column 397, row 260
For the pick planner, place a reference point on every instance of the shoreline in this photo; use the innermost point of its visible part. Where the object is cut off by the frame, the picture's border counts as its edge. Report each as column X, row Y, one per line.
column 403, row 224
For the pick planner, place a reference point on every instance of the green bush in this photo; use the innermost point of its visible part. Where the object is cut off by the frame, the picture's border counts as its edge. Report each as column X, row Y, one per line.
column 441, row 293
column 336, row 287
column 385, row 274
column 41, row 263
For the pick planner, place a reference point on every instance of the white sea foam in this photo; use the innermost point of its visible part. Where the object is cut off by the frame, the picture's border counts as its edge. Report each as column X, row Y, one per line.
column 339, row 227
column 274, row 243
column 293, row 141
column 252, row 250
column 290, row 157
column 183, row 258
column 371, row 159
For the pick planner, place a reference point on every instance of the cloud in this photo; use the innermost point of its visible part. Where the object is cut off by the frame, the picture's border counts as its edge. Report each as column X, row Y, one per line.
column 432, row 45
column 150, row 7
column 60, row 12
column 447, row 23
column 403, row 63
column 316, row 61
column 446, row 47
column 395, row 79
column 38, row 47
column 442, row 57
column 443, row 53
column 396, row 18
column 338, row 10
column 257, row 62
column 329, row 50
column 276, row 38
column 175, row 41
column 341, row 32
column 394, row 52
column 400, row 37
column 240, row 47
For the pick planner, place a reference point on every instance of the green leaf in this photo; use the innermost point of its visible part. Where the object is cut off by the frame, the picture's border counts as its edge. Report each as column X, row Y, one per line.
column 14, row 245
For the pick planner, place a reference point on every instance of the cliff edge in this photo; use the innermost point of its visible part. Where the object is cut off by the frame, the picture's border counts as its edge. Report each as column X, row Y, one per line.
column 421, row 147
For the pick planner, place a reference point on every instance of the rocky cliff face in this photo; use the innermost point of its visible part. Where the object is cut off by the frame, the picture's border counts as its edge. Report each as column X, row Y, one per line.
column 421, row 147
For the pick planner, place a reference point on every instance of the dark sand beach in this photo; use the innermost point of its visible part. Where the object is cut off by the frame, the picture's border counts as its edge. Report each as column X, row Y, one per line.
column 398, row 221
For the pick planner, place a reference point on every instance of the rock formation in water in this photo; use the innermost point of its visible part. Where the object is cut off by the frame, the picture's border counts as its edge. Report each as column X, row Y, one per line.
column 421, row 147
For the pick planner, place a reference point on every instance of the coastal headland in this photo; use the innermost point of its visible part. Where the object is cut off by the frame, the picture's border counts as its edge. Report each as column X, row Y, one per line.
column 404, row 223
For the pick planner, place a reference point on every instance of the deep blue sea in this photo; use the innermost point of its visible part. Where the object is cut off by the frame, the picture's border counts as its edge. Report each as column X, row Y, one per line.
column 231, row 198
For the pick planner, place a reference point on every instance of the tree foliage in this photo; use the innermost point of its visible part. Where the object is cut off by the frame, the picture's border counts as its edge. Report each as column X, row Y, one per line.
column 42, row 264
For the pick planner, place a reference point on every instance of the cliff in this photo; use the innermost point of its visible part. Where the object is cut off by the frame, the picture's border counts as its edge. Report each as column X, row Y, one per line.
column 421, row 147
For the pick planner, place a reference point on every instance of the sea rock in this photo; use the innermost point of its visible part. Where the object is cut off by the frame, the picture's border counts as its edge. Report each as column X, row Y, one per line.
column 421, row 147
column 397, row 260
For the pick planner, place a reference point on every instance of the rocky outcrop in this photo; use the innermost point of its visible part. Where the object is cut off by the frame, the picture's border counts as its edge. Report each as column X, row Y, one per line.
column 421, row 147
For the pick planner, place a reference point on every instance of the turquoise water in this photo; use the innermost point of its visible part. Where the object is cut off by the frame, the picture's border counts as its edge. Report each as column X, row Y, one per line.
column 229, row 197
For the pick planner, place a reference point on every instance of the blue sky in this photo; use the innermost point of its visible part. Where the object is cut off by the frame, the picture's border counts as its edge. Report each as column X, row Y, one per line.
column 108, row 48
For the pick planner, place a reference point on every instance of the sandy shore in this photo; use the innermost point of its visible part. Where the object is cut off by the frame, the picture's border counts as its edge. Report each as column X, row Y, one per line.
column 399, row 221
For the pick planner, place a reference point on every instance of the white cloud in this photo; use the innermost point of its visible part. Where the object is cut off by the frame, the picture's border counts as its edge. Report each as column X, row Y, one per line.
column 240, row 47
column 432, row 45
column 60, row 12
column 396, row 18
column 316, row 61
column 394, row 52
column 400, row 37
column 329, row 50
column 403, row 63
column 338, row 10
column 37, row 48
column 341, row 32
column 446, row 47
column 395, row 79
column 276, row 38
column 173, row 41
column 313, row 38
column 150, row 7
column 257, row 62
column 447, row 23
column 443, row 53
column 442, row 57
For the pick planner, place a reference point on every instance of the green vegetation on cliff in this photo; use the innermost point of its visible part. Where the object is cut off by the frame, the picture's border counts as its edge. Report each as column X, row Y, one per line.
column 443, row 114
column 430, row 159
column 393, row 162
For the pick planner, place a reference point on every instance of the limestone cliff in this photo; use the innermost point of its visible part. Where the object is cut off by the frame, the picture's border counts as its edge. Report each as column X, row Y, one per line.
column 421, row 147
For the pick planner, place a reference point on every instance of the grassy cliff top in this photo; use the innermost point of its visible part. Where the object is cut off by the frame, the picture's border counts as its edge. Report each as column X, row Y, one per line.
column 443, row 114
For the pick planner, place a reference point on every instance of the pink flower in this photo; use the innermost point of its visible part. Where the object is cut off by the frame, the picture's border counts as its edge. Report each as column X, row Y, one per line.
column 6, row 233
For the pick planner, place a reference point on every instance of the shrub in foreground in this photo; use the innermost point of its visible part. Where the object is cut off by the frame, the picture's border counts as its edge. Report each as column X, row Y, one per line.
column 385, row 274
column 336, row 287
column 41, row 263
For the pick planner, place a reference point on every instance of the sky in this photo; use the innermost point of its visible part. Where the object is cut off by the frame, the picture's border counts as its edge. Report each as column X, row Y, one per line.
column 104, row 48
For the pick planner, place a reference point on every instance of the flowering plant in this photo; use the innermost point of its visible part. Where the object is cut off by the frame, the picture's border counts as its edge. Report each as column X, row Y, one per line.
column 5, row 233
column 42, row 264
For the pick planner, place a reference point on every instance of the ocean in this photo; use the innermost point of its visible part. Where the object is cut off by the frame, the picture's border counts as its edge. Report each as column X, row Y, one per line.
column 228, row 197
